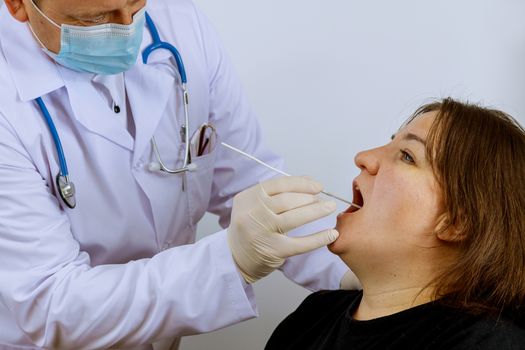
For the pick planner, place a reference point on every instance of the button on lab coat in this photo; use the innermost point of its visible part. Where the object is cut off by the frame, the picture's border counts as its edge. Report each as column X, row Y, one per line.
column 123, row 269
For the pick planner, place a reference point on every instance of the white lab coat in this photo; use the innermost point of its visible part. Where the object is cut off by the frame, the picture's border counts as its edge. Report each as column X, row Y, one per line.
column 122, row 268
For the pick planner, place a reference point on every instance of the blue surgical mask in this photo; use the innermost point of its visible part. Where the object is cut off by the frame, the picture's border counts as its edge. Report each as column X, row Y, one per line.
column 101, row 49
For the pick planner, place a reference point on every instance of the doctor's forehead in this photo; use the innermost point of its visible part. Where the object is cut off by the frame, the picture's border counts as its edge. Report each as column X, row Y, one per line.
column 88, row 6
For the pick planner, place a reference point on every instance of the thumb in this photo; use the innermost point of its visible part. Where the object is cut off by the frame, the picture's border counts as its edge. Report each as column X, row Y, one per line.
column 300, row 245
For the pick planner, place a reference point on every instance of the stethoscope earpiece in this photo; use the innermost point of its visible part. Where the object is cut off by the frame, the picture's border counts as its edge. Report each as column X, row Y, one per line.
column 66, row 189
column 154, row 166
column 192, row 167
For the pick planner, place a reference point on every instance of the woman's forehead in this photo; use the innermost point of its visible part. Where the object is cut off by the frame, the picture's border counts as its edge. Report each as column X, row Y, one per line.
column 420, row 125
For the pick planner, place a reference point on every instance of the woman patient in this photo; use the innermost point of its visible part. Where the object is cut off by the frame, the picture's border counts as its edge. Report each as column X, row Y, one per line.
column 439, row 244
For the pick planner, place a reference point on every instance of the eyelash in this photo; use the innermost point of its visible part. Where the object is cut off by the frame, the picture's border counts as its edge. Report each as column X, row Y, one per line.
column 405, row 155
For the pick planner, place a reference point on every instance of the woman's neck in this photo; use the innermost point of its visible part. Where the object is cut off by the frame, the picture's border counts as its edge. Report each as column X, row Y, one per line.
column 397, row 285
column 377, row 303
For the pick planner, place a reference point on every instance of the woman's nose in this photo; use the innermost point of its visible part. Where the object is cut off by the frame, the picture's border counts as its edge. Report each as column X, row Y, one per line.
column 368, row 160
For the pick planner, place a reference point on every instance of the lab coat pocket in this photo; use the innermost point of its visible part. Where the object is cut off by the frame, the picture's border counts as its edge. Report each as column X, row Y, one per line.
column 199, row 184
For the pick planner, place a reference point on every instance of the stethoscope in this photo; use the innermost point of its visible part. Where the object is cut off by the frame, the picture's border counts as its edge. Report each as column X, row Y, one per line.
column 66, row 186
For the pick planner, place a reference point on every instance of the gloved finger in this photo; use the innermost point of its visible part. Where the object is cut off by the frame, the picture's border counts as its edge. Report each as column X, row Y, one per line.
column 299, row 216
column 287, row 201
column 298, row 245
column 298, row 184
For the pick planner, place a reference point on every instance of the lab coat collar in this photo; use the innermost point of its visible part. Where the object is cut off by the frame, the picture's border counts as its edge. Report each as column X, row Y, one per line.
column 149, row 88
column 90, row 109
column 34, row 73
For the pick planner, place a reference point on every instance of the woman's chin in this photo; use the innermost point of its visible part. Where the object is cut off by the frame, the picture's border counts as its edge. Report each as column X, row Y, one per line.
column 348, row 235
column 336, row 247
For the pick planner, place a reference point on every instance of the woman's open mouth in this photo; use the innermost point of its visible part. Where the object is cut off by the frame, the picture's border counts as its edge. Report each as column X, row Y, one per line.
column 357, row 199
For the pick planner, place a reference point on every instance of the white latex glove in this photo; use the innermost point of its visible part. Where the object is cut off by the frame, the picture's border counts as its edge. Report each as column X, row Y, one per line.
column 262, row 214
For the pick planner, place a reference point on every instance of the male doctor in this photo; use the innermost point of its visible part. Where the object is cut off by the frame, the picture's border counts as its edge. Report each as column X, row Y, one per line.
column 116, row 265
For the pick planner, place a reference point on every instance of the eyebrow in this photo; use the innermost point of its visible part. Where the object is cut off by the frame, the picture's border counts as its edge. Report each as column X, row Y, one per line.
column 88, row 14
column 411, row 137
column 414, row 137
column 85, row 15
column 97, row 13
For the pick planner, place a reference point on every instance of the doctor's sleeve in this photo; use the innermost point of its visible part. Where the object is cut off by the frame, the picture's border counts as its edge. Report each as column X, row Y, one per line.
column 50, row 291
column 237, row 124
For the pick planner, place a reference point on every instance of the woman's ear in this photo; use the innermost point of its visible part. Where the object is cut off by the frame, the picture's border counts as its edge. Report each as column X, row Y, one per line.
column 450, row 232
column 17, row 9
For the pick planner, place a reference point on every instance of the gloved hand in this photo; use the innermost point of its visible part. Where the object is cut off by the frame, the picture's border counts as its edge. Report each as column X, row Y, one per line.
column 262, row 214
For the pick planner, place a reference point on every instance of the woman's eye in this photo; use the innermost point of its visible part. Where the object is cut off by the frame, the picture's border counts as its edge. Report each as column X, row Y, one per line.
column 405, row 156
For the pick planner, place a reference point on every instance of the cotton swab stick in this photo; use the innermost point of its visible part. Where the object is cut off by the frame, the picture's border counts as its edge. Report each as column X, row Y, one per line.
column 282, row 172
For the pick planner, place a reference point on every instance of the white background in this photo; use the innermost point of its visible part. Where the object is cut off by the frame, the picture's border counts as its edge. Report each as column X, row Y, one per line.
column 329, row 78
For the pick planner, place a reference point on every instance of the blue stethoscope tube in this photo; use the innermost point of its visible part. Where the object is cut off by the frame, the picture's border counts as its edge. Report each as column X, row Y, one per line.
column 159, row 44
column 56, row 138
column 65, row 185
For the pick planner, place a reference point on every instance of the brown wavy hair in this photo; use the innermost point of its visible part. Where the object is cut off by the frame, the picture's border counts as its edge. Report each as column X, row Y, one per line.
column 478, row 157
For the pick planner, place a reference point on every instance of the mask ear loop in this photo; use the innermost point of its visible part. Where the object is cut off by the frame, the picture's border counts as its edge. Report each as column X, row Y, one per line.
column 44, row 47
column 43, row 15
column 34, row 34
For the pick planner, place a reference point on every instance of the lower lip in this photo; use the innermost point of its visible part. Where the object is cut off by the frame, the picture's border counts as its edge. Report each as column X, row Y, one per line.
column 344, row 213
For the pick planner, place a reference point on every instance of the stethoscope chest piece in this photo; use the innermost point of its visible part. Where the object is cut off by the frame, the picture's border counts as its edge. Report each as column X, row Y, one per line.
column 66, row 189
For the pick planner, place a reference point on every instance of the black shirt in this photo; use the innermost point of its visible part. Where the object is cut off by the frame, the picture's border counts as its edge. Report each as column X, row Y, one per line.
column 324, row 321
